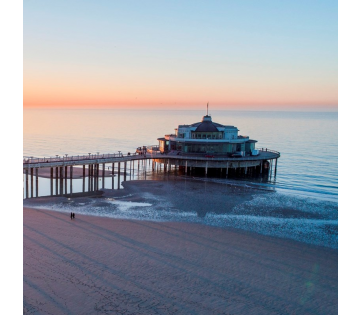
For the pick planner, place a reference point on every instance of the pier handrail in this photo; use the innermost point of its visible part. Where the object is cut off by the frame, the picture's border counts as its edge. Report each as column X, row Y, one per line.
column 125, row 157
column 76, row 158
column 268, row 150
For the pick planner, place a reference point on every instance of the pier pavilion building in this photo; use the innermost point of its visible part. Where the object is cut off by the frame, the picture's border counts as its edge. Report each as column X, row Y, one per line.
column 208, row 145
column 207, row 137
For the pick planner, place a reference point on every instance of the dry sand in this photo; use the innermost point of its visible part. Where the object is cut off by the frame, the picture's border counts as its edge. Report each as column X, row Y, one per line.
column 94, row 265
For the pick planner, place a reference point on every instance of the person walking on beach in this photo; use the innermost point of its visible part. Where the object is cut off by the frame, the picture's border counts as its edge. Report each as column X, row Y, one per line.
column 71, row 215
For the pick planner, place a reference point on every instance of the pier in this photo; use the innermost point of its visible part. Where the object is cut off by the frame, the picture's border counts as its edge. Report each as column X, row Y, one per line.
column 94, row 167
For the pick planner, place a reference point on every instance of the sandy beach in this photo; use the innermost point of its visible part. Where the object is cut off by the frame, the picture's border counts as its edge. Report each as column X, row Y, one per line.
column 97, row 265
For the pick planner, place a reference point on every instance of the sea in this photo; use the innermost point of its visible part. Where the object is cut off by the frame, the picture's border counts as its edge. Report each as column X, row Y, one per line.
column 307, row 171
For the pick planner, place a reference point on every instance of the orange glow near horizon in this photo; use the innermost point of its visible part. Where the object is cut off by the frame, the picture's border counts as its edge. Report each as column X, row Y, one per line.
column 327, row 106
column 58, row 95
column 181, row 105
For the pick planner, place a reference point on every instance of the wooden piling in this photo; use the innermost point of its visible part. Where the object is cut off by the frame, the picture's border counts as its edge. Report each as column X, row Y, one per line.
column 32, row 182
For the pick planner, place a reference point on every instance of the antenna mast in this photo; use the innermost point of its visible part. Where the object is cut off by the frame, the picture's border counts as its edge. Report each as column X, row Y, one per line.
column 207, row 109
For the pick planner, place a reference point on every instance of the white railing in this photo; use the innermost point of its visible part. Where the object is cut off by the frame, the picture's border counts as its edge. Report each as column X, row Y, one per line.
column 152, row 154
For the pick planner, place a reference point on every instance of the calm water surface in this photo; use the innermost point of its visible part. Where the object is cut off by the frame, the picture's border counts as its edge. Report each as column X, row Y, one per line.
column 307, row 175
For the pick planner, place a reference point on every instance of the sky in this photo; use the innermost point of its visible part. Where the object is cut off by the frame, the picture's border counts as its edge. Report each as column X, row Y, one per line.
column 181, row 54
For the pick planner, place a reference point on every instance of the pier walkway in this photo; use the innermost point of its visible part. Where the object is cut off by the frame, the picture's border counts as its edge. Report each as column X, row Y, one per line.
column 34, row 162
column 58, row 166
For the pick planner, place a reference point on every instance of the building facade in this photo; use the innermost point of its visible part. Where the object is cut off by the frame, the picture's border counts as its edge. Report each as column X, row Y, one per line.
column 207, row 137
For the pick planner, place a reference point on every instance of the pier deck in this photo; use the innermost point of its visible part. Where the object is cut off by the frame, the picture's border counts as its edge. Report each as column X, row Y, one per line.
column 264, row 154
column 94, row 167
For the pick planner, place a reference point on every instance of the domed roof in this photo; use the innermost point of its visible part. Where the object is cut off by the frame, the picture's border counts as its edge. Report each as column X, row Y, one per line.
column 206, row 125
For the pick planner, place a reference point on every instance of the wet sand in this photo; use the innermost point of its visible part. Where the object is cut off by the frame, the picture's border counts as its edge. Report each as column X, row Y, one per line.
column 96, row 265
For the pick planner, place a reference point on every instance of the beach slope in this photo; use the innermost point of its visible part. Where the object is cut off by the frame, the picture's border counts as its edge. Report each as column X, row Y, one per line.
column 95, row 265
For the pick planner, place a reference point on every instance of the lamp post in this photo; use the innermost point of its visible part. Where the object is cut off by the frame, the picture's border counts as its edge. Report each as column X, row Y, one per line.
column 66, row 156
column 119, row 153
column 89, row 155
column 57, row 156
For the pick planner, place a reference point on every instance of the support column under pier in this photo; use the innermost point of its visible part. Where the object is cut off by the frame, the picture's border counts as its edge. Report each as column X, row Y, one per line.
column 94, row 179
column 83, row 188
column 37, row 182
column 113, row 174
column 65, row 179
column 89, row 181
column 119, row 165
column 61, row 180
column 56, row 181
column 26, row 183
column 51, row 181
column 71, row 178
column 97, row 175
column 103, row 175
column 32, row 182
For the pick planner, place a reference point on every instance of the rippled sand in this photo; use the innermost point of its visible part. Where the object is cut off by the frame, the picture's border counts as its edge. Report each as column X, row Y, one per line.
column 95, row 265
